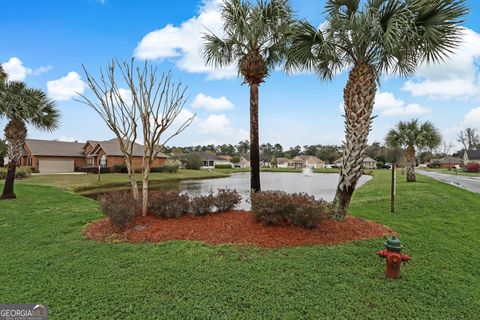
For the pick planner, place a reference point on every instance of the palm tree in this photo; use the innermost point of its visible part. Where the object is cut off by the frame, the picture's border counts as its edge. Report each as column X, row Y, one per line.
column 3, row 75
column 412, row 134
column 21, row 105
column 255, row 39
column 380, row 37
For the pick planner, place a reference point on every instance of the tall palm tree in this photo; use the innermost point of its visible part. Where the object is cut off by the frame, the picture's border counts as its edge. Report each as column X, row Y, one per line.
column 22, row 105
column 255, row 39
column 411, row 134
column 380, row 37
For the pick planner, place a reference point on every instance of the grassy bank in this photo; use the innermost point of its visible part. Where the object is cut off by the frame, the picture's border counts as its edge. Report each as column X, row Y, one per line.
column 459, row 172
column 89, row 182
column 44, row 259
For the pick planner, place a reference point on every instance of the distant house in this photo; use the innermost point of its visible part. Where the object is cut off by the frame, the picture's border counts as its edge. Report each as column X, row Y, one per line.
column 282, row 162
column 243, row 163
column 210, row 159
column 52, row 156
column 368, row 163
column 108, row 154
column 312, row 162
column 446, row 162
column 47, row 156
column 471, row 156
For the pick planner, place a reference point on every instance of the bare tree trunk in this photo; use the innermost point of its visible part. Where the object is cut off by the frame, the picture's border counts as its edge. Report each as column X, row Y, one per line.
column 131, row 177
column 145, row 191
column 15, row 133
column 254, row 143
column 411, row 177
column 359, row 98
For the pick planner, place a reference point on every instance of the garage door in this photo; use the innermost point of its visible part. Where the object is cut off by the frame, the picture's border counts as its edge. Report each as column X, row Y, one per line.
column 55, row 166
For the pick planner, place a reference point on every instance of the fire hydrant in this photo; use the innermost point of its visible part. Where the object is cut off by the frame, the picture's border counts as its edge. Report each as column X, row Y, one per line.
column 394, row 256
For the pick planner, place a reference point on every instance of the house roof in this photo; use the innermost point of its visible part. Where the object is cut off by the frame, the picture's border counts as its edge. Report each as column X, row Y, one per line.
column 55, row 148
column 448, row 159
column 282, row 160
column 311, row 158
column 112, row 148
column 225, row 157
column 473, row 154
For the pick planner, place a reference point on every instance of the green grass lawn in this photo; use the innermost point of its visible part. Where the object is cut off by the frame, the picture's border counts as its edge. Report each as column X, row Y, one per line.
column 45, row 259
column 459, row 172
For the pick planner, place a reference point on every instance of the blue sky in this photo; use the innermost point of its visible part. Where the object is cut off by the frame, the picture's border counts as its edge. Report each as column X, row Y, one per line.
column 45, row 43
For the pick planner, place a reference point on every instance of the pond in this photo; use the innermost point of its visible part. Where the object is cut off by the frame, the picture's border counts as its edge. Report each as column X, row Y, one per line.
column 320, row 185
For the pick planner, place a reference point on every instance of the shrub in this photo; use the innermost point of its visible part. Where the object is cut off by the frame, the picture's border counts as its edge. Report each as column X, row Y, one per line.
column 202, row 205
column 120, row 207
column 94, row 169
column 120, row 168
column 223, row 166
column 20, row 173
column 168, row 204
column 472, row 167
column 227, row 199
column 193, row 162
column 278, row 207
column 169, row 167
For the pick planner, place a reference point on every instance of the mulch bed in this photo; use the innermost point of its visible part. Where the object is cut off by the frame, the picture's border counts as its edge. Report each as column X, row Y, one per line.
column 236, row 227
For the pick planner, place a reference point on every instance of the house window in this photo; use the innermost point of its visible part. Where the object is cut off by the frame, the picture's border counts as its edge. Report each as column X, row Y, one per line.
column 29, row 161
column 103, row 160
column 90, row 162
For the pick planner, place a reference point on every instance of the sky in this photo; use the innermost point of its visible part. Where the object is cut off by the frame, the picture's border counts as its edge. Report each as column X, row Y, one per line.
column 45, row 43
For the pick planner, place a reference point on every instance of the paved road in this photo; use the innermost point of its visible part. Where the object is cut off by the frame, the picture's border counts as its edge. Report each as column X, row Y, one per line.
column 469, row 183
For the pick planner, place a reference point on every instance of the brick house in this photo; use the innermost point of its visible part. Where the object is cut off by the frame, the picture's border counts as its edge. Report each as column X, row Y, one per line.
column 447, row 162
column 47, row 156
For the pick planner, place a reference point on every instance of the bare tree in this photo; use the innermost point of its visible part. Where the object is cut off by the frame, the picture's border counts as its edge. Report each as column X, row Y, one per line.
column 158, row 102
column 470, row 139
column 148, row 101
column 117, row 112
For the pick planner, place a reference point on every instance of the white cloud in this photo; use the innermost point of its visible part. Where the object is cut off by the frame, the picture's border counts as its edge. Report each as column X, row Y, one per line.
column 456, row 77
column 184, row 43
column 211, row 104
column 218, row 125
column 18, row 72
column 243, row 135
column 472, row 119
column 66, row 87
column 15, row 69
column 388, row 105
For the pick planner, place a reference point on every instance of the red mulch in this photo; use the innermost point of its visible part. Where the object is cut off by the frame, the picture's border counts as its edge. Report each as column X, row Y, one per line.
column 237, row 227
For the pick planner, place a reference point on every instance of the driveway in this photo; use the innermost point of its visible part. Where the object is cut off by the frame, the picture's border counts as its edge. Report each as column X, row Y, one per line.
column 469, row 183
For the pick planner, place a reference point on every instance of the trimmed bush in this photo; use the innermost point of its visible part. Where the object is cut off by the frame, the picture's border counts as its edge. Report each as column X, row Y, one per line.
column 202, row 205
column 120, row 207
column 472, row 167
column 223, row 166
column 169, row 167
column 193, row 162
column 168, row 204
column 278, row 207
column 227, row 199
column 94, row 169
column 20, row 173
column 120, row 168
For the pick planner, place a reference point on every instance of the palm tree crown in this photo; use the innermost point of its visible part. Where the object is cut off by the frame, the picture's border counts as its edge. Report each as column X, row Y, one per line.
column 412, row 133
column 393, row 36
column 18, row 102
column 254, row 37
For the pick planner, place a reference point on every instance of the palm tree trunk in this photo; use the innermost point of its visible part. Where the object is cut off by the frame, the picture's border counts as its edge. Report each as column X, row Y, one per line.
column 254, row 144
column 359, row 98
column 15, row 133
column 411, row 177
